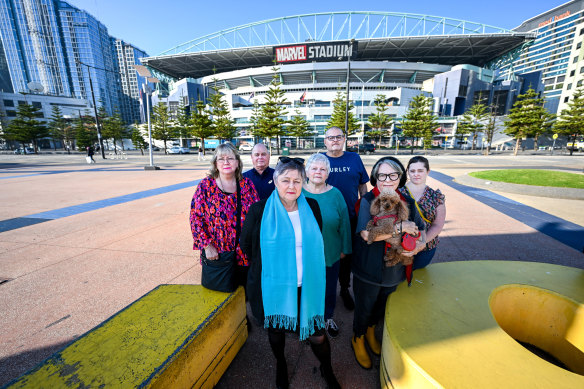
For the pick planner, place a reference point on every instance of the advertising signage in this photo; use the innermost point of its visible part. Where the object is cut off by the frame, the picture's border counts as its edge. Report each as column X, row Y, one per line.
column 310, row 52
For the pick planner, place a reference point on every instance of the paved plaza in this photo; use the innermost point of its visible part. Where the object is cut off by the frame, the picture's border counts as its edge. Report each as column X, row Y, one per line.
column 80, row 242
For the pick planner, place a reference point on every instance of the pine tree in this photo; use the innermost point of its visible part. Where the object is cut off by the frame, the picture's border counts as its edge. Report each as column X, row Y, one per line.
column 473, row 121
column 162, row 128
column 299, row 127
column 222, row 124
column 571, row 120
column 57, row 125
column 200, row 125
column 137, row 138
column 419, row 121
column 338, row 116
column 379, row 121
column 182, row 121
column 84, row 134
column 491, row 127
column 527, row 117
column 113, row 127
column 270, row 122
column 25, row 128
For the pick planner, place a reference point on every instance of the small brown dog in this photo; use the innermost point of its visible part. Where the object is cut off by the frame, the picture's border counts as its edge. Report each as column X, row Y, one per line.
column 387, row 210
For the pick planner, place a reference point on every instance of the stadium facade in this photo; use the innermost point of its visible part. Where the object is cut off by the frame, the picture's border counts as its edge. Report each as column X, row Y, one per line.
column 394, row 54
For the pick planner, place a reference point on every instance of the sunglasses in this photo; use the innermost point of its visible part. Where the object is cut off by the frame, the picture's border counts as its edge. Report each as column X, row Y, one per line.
column 299, row 161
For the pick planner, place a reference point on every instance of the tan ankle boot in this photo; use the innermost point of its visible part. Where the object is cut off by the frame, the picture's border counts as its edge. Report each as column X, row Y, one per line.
column 361, row 354
column 374, row 344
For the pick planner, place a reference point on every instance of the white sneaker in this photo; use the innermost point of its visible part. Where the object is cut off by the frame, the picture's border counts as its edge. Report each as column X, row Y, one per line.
column 331, row 328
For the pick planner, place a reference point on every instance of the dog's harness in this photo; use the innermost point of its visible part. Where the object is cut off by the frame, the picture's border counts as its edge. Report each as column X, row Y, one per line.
column 376, row 218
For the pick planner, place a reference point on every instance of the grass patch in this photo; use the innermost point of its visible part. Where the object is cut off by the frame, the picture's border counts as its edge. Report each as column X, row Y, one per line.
column 533, row 177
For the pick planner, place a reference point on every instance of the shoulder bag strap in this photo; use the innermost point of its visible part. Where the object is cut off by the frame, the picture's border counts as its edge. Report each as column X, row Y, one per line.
column 418, row 206
column 238, row 211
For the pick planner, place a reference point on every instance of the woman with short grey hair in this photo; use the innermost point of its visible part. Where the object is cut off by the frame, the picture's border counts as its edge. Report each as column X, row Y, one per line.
column 286, row 283
column 336, row 231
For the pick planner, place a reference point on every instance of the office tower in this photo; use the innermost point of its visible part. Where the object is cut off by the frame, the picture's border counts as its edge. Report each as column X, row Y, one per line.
column 556, row 48
column 127, row 55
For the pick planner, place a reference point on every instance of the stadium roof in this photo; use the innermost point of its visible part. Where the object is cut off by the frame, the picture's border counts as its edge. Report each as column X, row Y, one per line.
column 379, row 36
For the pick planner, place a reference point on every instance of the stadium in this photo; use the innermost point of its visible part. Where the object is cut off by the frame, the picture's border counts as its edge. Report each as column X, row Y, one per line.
column 394, row 54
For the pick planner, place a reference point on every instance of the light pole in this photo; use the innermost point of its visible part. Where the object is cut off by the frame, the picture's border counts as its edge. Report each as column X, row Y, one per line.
column 100, row 139
column 144, row 72
column 349, row 53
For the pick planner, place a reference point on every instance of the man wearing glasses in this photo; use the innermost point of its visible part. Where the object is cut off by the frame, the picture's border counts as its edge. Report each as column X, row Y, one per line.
column 348, row 175
column 262, row 175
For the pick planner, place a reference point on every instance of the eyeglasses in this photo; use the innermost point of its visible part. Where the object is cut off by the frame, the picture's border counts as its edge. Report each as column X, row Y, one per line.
column 391, row 176
column 225, row 160
column 299, row 161
column 335, row 137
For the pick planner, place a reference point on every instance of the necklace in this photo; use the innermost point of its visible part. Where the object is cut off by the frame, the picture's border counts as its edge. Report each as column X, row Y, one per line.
column 223, row 188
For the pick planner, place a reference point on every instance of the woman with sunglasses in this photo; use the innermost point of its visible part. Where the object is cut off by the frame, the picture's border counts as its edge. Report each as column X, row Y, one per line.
column 286, row 282
column 430, row 204
column 373, row 282
column 214, row 207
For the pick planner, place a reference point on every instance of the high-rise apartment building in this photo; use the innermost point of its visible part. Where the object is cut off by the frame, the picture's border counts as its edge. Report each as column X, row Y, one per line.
column 67, row 51
column 554, row 52
column 127, row 55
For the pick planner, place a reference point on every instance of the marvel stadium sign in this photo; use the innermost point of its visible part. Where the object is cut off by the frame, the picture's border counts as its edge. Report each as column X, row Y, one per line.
column 308, row 52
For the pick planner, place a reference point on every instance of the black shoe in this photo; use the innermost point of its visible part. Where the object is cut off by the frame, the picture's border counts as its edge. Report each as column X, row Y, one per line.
column 347, row 299
column 282, row 375
column 331, row 328
column 329, row 377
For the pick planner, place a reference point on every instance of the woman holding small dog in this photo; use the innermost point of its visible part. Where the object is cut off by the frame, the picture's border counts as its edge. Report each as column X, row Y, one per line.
column 430, row 204
column 373, row 281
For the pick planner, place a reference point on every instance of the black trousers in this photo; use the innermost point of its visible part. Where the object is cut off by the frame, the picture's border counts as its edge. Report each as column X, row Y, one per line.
column 240, row 276
column 369, row 304
column 345, row 267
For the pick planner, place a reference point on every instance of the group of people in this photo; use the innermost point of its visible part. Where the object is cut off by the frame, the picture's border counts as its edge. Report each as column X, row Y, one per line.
column 304, row 228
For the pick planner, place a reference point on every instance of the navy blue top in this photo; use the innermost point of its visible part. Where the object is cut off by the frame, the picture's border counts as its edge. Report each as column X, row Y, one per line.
column 346, row 174
column 264, row 183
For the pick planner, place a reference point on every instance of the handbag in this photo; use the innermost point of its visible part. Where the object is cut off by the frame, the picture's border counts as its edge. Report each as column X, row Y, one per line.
column 219, row 274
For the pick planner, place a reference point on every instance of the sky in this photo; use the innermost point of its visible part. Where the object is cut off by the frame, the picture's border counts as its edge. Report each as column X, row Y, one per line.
column 155, row 26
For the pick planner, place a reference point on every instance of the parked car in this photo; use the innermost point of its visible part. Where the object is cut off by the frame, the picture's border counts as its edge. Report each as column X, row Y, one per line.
column 26, row 150
column 366, row 148
column 154, row 148
column 245, row 147
column 178, row 150
column 578, row 145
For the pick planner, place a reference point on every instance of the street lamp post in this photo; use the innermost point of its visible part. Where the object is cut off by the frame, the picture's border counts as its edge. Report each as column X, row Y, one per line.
column 144, row 72
column 100, row 139
column 349, row 53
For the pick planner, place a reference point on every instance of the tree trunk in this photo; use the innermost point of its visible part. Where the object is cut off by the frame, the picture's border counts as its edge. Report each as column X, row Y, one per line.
column 474, row 141
column 535, row 144
column 517, row 143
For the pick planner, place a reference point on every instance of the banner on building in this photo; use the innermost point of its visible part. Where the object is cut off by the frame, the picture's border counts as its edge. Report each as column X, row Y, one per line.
column 315, row 52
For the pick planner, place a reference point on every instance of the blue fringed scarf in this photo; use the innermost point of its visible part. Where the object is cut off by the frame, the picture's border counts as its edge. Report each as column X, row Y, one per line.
column 279, row 279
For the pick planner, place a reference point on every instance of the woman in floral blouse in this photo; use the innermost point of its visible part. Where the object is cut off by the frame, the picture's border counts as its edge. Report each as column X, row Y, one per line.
column 431, row 205
column 213, row 208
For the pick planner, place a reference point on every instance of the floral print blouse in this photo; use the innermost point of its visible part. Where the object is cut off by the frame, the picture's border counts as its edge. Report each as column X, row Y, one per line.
column 213, row 217
column 428, row 203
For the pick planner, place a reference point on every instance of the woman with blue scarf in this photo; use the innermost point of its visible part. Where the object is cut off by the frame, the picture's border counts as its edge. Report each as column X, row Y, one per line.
column 282, row 238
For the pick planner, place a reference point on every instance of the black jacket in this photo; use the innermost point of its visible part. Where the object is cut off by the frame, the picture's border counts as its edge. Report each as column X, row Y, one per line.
column 250, row 244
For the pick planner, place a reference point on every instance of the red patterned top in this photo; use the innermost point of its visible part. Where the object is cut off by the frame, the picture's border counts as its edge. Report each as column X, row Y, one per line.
column 213, row 216
column 428, row 203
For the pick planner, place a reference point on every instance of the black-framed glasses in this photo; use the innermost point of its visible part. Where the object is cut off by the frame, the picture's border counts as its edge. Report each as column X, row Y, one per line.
column 335, row 137
column 299, row 161
column 390, row 176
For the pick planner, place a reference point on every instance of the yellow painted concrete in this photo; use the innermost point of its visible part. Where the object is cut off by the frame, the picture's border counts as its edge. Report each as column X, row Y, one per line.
column 176, row 336
column 442, row 331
